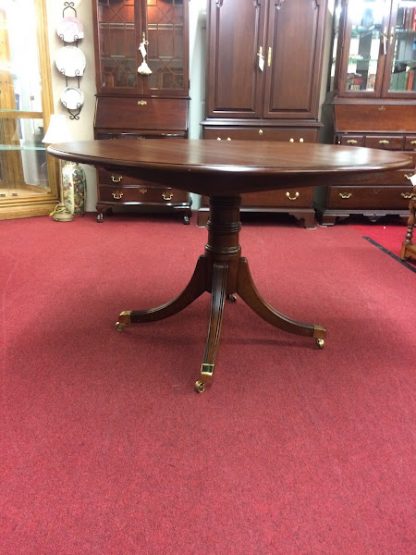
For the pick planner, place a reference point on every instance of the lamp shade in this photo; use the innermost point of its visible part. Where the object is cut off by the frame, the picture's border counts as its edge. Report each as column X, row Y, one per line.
column 58, row 130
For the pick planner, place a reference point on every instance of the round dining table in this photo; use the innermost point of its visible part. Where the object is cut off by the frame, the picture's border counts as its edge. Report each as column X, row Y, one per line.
column 223, row 170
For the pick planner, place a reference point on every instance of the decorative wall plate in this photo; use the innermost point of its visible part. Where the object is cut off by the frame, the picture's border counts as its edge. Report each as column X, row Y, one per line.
column 70, row 61
column 72, row 98
column 70, row 29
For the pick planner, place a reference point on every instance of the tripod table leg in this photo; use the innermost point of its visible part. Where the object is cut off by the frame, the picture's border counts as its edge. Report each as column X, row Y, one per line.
column 219, row 294
column 248, row 292
column 195, row 288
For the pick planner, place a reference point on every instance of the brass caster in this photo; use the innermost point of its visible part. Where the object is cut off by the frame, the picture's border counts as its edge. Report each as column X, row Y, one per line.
column 320, row 343
column 231, row 298
column 199, row 386
column 124, row 320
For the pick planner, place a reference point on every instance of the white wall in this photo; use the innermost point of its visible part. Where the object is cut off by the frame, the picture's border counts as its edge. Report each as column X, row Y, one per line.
column 82, row 129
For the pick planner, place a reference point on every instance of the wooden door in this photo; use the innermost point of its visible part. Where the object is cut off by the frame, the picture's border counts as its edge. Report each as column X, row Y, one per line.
column 236, row 61
column 294, row 47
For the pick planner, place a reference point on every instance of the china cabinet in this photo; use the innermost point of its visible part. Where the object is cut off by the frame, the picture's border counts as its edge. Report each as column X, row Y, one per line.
column 142, row 91
column 263, row 82
column 373, row 100
column 28, row 178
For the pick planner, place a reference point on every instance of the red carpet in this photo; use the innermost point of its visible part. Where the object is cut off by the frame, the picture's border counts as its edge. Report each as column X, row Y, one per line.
column 106, row 449
column 389, row 237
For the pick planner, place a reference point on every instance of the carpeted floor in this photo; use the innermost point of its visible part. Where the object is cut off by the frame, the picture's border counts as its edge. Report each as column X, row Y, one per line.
column 106, row 449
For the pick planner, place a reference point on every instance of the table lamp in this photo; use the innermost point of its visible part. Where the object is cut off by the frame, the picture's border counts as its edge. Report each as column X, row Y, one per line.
column 72, row 176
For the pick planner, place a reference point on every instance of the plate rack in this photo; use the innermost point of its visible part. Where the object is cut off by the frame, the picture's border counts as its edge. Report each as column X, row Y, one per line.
column 70, row 60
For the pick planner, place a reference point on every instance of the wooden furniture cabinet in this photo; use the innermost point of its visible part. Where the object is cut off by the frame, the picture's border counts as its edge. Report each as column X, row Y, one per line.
column 372, row 100
column 142, row 92
column 263, row 81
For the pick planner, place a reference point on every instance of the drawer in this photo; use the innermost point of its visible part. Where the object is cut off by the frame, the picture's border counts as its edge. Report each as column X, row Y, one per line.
column 132, row 113
column 282, row 198
column 383, row 179
column 140, row 134
column 389, row 142
column 142, row 194
column 292, row 134
column 368, row 197
column 115, row 179
column 351, row 140
column 410, row 142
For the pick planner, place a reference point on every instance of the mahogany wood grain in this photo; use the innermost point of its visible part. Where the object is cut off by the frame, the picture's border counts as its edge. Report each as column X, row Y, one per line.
column 216, row 168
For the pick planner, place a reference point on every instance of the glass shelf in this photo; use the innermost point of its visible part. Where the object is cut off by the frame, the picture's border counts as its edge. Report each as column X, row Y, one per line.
column 21, row 148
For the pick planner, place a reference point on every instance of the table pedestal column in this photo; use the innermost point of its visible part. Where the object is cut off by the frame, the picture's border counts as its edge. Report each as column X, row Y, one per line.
column 223, row 272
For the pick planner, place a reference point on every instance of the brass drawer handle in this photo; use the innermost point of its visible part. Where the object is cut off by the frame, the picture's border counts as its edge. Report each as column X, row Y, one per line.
column 117, row 194
column 261, row 131
column 301, row 140
column 142, row 103
column 294, row 197
column 167, row 196
column 384, row 142
column 219, row 139
column 143, row 190
column 116, row 178
column 228, row 138
column 345, row 195
column 406, row 195
column 291, row 140
column 413, row 142
column 352, row 142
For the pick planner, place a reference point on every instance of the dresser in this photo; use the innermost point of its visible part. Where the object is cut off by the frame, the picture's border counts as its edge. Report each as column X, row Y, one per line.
column 263, row 83
column 142, row 52
column 372, row 102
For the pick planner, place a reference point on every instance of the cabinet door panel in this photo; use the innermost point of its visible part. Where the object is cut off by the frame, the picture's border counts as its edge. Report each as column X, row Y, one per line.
column 236, row 31
column 293, row 58
column 400, row 70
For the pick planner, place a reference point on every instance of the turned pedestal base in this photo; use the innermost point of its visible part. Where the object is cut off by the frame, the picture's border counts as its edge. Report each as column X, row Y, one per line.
column 223, row 272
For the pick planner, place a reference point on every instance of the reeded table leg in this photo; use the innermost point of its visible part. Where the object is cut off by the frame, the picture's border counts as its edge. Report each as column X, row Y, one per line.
column 195, row 288
column 219, row 289
column 222, row 272
column 248, row 292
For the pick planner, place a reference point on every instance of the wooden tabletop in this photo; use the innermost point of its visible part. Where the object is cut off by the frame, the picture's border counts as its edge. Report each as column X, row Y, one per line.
column 230, row 167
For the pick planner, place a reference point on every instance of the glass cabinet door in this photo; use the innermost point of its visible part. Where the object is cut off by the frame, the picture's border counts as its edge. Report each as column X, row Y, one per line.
column 142, row 46
column 117, row 44
column 167, row 50
column 28, row 184
column 401, row 61
column 366, row 41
